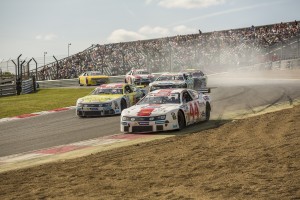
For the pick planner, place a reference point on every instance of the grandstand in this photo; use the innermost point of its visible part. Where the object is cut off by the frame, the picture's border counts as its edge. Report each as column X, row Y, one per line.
column 214, row 50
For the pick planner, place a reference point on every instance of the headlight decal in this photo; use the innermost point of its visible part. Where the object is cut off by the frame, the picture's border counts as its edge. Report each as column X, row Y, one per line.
column 173, row 116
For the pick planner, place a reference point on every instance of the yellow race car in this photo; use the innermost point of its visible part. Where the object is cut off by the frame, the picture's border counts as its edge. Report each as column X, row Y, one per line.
column 108, row 99
column 92, row 78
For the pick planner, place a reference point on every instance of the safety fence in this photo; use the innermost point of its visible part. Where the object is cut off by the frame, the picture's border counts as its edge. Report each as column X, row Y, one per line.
column 73, row 82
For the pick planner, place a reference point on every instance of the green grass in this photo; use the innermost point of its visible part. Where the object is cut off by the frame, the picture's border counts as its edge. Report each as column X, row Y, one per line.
column 43, row 100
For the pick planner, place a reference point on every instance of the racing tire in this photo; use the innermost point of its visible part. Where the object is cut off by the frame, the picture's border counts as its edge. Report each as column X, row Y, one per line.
column 207, row 112
column 123, row 105
column 125, row 80
column 181, row 120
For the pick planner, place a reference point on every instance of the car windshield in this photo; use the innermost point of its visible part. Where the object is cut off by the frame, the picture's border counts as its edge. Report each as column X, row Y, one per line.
column 107, row 91
column 142, row 72
column 170, row 78
column 154, row 99
column 195, row 74
column 95, row 73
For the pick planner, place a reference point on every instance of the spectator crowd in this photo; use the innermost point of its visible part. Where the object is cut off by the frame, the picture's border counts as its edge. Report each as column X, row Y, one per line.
column 236, row 47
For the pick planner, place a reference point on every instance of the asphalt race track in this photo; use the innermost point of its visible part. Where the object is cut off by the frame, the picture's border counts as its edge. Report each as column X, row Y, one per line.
column 230, row 93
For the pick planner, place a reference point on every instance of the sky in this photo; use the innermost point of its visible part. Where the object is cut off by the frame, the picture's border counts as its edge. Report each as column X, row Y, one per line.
column 59, row 27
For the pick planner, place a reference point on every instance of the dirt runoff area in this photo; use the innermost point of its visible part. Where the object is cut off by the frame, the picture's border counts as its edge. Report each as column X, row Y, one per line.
column 253, row 158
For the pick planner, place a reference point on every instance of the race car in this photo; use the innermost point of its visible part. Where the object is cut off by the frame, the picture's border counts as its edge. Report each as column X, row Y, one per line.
column 139, row 77
column 92, row 78
column 166, row 109
column 172, row 80
column 200, row 79
column 108, row 99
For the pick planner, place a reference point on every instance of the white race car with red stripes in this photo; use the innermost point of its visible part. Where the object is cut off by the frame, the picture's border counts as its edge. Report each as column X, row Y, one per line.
column 166, row 109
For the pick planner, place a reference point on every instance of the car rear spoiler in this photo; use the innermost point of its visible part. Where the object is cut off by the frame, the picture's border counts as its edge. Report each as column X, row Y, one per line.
column 203, row 90
column 141, row 86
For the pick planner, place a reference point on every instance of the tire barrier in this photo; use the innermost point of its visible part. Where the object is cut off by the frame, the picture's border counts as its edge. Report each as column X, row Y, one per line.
column 20, row 87
column 8, row 90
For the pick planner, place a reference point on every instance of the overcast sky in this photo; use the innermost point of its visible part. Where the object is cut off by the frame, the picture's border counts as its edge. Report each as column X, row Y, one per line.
column 32, row 27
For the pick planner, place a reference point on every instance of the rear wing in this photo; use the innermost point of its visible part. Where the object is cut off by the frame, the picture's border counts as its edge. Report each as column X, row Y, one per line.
column 140, row 86
column 203, row 90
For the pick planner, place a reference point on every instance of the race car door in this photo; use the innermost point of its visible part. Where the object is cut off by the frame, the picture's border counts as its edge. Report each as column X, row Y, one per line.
column 199, row 106
column 192, row 113
column 131, row 94
column 82, row 79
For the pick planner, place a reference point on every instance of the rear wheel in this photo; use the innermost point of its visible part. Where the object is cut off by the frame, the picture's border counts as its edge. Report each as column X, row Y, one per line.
column 181, row 120
column 207, row 112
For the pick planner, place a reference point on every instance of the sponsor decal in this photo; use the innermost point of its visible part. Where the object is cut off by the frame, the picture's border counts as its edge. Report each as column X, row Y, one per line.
column 145, row 112
column 116, row 105
column 206, row 98
column 143, row 123
column 124, row 123
column 175, row 126
column 159, row 122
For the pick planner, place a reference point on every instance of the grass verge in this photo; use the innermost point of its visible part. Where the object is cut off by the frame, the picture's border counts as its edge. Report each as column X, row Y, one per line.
column 44, row 99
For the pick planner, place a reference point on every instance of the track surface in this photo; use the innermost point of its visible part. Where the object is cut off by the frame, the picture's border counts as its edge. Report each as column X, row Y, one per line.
column 231, row 92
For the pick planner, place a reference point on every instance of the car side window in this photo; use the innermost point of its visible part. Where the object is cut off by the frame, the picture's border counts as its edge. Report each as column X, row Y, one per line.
column 186, row 97
column 128, row 89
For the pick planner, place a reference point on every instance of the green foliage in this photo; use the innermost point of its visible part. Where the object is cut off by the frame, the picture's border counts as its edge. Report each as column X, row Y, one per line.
column 43, row 100
column 7, row 75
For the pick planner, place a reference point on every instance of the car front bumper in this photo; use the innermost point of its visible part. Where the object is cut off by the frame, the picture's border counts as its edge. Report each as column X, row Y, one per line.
column 148, row 126
column 95, row 111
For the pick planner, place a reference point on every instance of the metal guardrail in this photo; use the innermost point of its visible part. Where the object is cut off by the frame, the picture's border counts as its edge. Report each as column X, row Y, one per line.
column 283, row 64
column 279, row 65
column 73, row 82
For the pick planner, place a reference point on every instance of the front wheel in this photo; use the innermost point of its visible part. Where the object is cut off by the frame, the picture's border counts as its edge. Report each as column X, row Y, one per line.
column 181, row 120
column 123, row 105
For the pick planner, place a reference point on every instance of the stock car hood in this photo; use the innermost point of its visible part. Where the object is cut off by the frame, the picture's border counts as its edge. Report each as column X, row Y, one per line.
column 175, row 82
column 147, row 110
column 99, row 98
